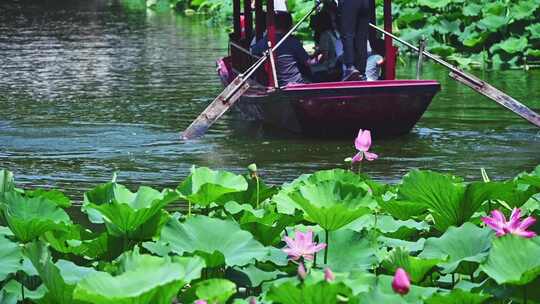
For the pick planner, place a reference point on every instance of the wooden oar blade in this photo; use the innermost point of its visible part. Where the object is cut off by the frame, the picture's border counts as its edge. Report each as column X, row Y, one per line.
column 216, row 109
column 500, row 97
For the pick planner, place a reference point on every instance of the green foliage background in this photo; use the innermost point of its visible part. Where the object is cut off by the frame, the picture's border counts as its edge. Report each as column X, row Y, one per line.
column 472, row 33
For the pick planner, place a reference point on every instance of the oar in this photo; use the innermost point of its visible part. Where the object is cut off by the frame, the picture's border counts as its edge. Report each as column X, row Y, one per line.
column 476, row 84
column 234, row 91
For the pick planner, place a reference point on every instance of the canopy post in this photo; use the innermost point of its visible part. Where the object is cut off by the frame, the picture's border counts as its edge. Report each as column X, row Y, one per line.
column 259, row 19
column 271, row 29
column 236, row 20
column 248, row 21
column 390, row 52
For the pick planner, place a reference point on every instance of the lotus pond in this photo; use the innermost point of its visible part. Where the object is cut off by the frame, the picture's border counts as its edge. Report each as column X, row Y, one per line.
column 333, row 236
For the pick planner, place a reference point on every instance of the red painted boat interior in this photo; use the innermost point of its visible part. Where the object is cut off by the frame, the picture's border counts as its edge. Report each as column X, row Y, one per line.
column 360, row 84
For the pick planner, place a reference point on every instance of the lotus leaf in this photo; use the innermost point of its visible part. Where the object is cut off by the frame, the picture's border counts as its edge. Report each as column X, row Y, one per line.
column 513, row 260
column 472, row 9
column 204, row 186
column 388, row 226
column 286, row 205
column 10, row 257
column 257, row 276
column 350, row 250
column 409, row 246
column 534, row 30
column 458, row 296
column 417, row 268
column 215, row 290
column 493, row 23
column 417, row 294
column 11, row 293
column 524, row 9
column 321, row 292
column 29, row 218
column 442, row 194
column 435, row 4
column 60, row 278
column 55, row 196
column 402, row 210
column 256, row 193
column 461, row 249
column 218, row 241
column 511, row 45
column 377, row 296
column 78, row 241
column 331, row 204
column 144, row 279
column 125, row 212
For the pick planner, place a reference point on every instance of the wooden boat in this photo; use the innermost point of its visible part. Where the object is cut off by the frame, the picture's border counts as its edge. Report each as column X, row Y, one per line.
column 387, row 107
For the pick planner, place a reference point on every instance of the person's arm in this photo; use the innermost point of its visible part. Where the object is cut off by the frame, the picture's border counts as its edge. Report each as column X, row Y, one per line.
column 301, row 57
column 325, row 44
column 260, row 47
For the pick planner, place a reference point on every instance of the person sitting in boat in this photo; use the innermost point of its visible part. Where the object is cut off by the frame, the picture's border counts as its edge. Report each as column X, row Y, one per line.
column 326, row 63
column 292, row 60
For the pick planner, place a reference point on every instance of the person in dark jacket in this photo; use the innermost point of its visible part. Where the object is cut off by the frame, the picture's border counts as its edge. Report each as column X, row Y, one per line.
column 354, row 28
column 292, row 60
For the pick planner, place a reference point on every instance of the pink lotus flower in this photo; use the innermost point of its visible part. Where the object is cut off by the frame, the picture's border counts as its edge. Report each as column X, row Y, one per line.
column 401, row 282
column 362, row 144
column 201, row 302
column 302, row 246
column 253, row 300
column 498, row 222
column 329, row 275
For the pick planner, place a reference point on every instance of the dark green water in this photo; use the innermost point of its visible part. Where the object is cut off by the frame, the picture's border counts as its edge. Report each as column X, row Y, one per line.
column 88, row 88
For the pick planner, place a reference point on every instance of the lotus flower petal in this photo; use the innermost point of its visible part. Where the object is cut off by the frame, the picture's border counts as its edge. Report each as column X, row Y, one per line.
column 329, row 275
column 371, row 156
column 363, row 140
column 302, row 246
column 358, row 157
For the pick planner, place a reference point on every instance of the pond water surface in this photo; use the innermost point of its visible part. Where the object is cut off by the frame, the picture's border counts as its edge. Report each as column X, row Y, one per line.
column 88, row 88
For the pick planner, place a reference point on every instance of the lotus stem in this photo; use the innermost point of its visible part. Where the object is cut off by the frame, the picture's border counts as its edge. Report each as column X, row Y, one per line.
column 326, row 234
column 257, row 180
column 22, row 285
column 453, row 280
column 524, row 294
column 189, row 209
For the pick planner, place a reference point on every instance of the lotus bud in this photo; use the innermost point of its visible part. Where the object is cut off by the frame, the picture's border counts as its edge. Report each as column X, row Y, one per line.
column 302, row 274
column 329, row 275
column 253, row 300
column 201, row 302
column 401, row 282
column 252, row 168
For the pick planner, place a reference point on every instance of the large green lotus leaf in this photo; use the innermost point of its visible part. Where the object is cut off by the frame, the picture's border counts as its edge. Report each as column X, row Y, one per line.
column 461, row 249
column 53, row 195
column 376, row 295
column 60, row 278
column 29, row 218
column 402, row 210
column 388, row 226
column 349, row 250
column 534, row 30
column 7, row 183
column 472, row 9
column 125, row 212
column 513, row 260
column 217, row 241
column 78, row 241
column 205, row 186
column 311, row 292
column 146, row 279
column 396, row 243
column 493, row 23
column 286, row 205
column 331, row 204
column 449, row 27
column 11, row 293
column 409, row 15
column 524, row 9
column 417, row 268
column 442, row 194
column 10, row 257
column 417, row 294
column 435, row 4
column 257, row 276
column 511, row 45
column 458, row 296
column 215, row 290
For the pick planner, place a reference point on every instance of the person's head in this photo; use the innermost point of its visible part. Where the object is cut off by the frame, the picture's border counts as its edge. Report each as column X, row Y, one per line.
column 283, row 21
column 321, row 23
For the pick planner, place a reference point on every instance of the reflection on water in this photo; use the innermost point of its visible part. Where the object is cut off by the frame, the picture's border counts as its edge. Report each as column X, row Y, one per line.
column 88, row 88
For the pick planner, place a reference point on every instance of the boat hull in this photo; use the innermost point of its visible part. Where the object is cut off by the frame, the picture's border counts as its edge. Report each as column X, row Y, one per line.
column 387, row 107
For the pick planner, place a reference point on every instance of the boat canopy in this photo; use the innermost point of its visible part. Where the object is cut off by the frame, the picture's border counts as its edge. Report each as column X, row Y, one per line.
column 251, row 21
